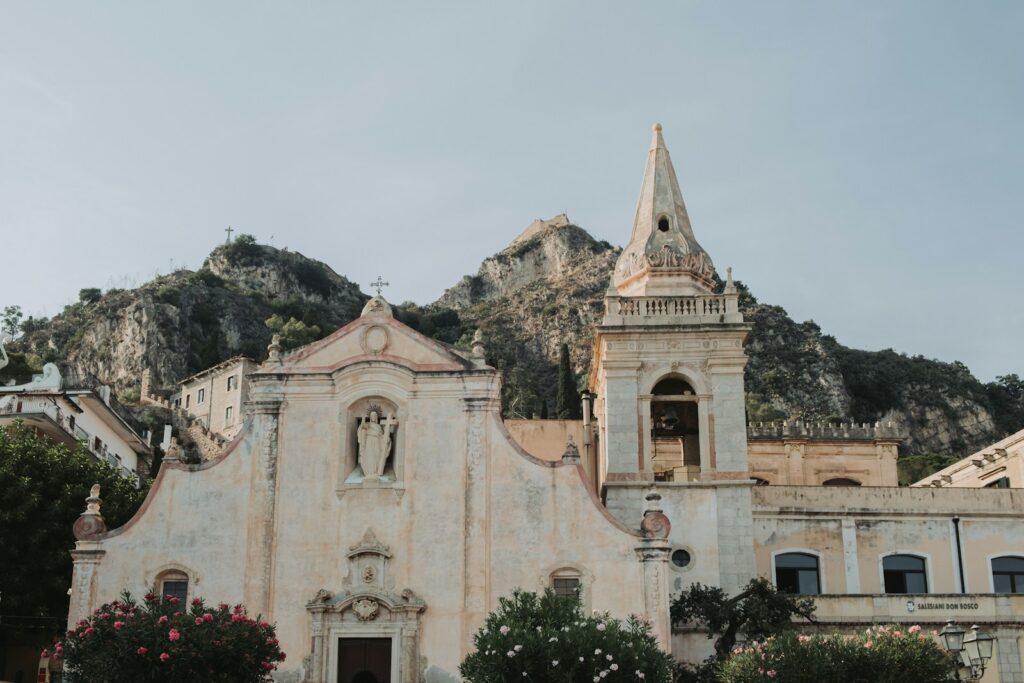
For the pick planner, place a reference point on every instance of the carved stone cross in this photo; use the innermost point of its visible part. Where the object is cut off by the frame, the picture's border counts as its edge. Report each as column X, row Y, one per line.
column 379, row 284
column 229, row 230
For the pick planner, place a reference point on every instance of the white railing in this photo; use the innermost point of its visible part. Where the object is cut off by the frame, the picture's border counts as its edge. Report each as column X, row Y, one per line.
column 686, row 310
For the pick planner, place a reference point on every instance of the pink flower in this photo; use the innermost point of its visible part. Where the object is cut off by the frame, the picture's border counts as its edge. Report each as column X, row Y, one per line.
column 914, row 629
column 141, row 651
column 199, row 621
column 267, row 666
column 89, row 631
column 281, row 657
column 272, row 641
column 264, row 624
column 173, row 600
column 207, row 617
column 162, row 620
column 173, row 634
column 164, row 656
column 44, row 654
column 197, row 601
column 869, row 644
column 150, row 597
column 119, row 625
column 222, row 605
column 771, row 673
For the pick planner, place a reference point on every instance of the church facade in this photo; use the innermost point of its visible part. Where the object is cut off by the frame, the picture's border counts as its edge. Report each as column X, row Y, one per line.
column 375, row 505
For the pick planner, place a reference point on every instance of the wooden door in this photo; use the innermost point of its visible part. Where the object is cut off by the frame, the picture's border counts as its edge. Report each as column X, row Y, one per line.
column 364, row 660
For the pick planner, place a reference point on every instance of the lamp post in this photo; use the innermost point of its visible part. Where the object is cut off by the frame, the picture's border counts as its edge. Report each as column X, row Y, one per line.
column 971, row 650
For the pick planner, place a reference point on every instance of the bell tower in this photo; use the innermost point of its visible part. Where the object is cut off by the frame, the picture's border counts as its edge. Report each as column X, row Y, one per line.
column 668, row 374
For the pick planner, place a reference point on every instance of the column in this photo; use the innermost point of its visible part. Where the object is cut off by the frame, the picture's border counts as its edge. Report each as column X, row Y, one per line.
column 259, row 574
column 653, row 555
column 86, row 558
column 850, row 560
column 645, row 435
column 704, row 425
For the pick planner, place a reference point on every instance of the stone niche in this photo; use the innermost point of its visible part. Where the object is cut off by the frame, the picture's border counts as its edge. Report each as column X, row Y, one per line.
column 367, row 606
column 373, row 435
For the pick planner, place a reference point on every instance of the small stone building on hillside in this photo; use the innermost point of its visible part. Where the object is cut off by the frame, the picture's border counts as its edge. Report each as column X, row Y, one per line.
column 375, row 505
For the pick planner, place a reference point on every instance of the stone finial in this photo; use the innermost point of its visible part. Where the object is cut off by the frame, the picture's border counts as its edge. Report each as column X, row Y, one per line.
column 274, row 350
column 90, row 524
column 377, row 307
column 654, row 524
column 571, row 456
column 730, row 286
column 478, row 344
column 174, row 452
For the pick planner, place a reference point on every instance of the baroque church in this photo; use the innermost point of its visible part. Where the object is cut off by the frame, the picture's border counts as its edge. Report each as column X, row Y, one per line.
column 375, row 504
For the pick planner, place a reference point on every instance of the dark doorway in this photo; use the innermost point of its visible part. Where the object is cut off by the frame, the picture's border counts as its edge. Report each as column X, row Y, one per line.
column 364, row 660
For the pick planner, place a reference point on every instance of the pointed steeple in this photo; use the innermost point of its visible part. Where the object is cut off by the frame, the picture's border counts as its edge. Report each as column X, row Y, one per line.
column 662, row 257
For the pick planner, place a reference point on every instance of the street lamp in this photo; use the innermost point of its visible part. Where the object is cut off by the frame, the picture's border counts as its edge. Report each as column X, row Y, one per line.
column 972, row 651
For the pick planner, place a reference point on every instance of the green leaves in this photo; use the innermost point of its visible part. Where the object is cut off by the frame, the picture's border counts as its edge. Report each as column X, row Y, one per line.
column 547, row 638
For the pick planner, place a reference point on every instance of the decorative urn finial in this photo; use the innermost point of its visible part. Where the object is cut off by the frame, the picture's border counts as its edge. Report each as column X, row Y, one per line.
column 90, row 523
column 478, row 344
column 274, row 350
column 655, row 524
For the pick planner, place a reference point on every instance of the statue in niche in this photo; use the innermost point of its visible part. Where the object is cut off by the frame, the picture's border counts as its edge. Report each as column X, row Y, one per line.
column 374, row 438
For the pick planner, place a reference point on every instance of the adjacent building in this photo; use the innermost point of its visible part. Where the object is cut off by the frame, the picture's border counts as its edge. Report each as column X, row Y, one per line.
column 74, row 411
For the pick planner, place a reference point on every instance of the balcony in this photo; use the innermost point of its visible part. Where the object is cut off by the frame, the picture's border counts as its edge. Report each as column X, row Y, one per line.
column 672, row 310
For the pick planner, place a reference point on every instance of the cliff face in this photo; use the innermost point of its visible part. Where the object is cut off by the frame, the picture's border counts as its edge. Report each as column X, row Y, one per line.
column 543, row 290
column 184, row 322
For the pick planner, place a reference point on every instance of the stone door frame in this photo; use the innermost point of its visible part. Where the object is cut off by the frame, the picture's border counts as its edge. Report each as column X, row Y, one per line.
column 390, row 631
column 346, row 615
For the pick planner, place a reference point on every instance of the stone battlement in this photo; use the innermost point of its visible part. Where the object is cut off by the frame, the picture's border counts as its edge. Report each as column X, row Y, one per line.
column 803, row 429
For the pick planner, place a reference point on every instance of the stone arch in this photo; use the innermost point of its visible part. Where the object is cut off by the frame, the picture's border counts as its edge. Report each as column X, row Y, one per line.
column 692, row 376
column 676, row 423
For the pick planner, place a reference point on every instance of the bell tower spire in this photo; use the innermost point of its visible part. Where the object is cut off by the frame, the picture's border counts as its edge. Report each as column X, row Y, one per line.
column 663, row 257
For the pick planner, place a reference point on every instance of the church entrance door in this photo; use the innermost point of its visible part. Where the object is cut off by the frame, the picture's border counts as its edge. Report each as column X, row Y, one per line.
column 364, row 660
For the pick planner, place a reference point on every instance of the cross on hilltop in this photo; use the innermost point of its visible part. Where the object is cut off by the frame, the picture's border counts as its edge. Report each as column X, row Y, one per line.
column 379, row 284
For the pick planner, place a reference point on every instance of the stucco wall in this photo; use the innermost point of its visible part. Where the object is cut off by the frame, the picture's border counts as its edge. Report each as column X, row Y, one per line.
column 808, row 462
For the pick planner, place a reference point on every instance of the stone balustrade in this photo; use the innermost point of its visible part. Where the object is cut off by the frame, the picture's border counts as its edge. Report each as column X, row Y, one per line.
column 683, row 310
column 801, row 429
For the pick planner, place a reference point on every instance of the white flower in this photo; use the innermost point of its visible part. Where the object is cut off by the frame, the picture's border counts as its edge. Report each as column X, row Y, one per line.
column 603, row 674
column 640, row 674
column 554, row 662
column 597, row 651
column 511, row 654
column 504, row 630
column 614, row 667
column 538, row 629
column 600, row 626
column 608, row 657
column 565, row 628
column 597, row 679
column 518, row 648
column 581, row 659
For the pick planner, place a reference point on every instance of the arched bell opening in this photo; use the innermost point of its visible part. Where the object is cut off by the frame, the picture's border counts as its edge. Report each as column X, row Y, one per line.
column 675, row 431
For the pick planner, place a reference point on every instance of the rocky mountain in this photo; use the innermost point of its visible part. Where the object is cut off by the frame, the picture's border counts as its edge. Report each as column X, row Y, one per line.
column 541, row 291
column 184, row 322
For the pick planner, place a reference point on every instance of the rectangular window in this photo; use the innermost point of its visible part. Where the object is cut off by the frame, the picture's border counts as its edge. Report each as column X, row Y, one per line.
column 228, row 414
column 797, row 573
column 200, row 396
column 566, row 586
column 177, row 403
column 232, row 382
column 188, row 399
column 1000, row 483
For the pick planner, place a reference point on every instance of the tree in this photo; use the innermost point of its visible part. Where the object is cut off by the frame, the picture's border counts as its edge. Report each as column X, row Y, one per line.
column 10, row 322
column 161, row 641
column 548, row 639
column 567, row 402
column 757, row 612
column 881, row 654
column 294, row 333
column 44, row 490
column 90, row 295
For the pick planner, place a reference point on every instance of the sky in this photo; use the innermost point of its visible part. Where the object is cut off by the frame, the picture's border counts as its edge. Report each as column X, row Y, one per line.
column 858, row 163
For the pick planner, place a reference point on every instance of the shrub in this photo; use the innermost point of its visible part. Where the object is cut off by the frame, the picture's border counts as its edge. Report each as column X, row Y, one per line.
column 206, row 277
column 169, row 294
column 882, row 654
column 89, row 295
column 242, row 249
column 313, row 276
column 532, row 638
column 161, row 641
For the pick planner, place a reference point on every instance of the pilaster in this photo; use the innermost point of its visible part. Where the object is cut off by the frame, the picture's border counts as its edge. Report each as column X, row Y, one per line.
column 259, row 575
column 653, row 554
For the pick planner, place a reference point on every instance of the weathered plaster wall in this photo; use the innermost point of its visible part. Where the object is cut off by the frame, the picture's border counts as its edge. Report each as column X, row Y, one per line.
column 808, row 462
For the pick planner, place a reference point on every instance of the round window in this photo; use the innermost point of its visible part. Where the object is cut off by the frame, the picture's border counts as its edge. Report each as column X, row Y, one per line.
column 663, row 224
column 681, row 559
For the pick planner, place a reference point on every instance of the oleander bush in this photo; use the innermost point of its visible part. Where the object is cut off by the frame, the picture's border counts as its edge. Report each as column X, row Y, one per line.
column 882, row 654
column 162, row 641
column 547, row 638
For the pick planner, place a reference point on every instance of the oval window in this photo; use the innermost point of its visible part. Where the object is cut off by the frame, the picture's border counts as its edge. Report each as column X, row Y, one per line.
column 681, row 558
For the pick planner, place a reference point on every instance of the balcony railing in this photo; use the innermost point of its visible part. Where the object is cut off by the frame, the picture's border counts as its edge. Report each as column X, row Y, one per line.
column 824, row 430
column 683, row 310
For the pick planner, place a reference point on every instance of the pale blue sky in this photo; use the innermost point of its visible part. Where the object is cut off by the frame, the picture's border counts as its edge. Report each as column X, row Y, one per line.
column 859, row 163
